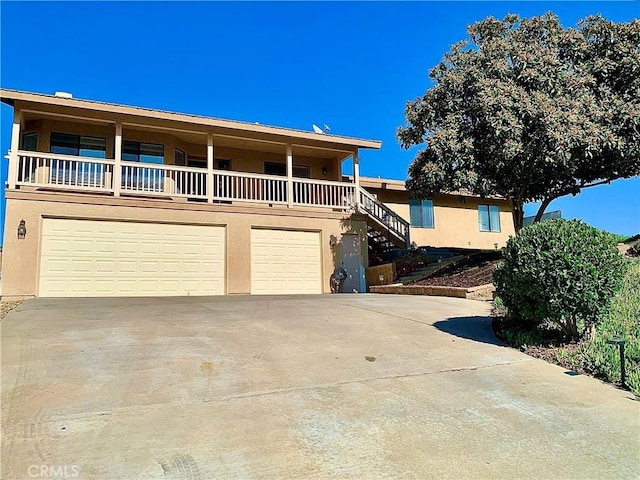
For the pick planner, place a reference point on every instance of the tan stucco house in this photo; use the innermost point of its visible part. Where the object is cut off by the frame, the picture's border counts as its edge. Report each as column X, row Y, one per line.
column 458, row 220
column 114, row 200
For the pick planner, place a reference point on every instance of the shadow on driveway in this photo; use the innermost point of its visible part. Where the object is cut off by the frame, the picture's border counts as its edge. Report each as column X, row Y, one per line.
column 475, row 328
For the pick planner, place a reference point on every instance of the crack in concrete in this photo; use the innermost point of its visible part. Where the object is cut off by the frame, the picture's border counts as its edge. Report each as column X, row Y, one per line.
column 383, row 313
column 226, row 398
column 365, row 380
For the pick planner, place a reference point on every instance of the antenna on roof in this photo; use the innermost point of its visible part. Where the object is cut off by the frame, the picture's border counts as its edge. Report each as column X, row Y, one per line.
column 317, row 129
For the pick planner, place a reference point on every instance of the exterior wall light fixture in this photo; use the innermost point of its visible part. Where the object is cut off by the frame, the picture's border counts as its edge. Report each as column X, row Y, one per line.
column 22, row 229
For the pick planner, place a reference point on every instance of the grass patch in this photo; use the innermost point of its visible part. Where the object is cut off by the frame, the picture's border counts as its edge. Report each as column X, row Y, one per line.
column 592, row 357
column 623, row 321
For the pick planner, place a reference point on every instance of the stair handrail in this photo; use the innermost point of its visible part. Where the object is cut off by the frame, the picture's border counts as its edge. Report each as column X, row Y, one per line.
column 378, row 210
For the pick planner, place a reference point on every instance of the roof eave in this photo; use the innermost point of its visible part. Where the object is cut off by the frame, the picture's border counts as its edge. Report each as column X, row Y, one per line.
column 9, row 97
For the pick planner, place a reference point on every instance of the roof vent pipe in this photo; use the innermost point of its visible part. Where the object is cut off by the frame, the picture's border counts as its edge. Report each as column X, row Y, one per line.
column 63, row 95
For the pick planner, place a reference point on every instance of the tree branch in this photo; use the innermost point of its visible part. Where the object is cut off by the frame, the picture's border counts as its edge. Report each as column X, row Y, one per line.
column 545, row 203
column 543, row 207
column 594, row 184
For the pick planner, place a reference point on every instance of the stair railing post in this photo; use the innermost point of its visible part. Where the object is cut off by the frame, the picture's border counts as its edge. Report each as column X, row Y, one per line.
column 356, row 177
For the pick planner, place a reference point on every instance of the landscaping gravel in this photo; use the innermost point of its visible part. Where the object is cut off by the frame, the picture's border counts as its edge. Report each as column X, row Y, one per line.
column 6, row 307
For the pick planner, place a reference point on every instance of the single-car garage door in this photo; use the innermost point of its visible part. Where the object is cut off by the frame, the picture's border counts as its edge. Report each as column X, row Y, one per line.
column 285, row 261
column 90, row 258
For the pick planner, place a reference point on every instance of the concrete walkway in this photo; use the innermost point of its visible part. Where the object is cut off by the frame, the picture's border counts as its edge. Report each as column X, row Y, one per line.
column 335, row 386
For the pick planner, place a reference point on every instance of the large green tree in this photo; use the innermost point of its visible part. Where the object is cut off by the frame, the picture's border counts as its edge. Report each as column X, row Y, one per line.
column 529, row 110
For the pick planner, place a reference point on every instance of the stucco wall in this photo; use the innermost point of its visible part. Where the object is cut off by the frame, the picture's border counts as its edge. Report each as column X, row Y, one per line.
column 20, row 267
column 455, row 220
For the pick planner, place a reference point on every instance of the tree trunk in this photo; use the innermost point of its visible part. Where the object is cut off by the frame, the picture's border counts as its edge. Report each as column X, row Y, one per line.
column 573, row 328
column 517, row 211
column 591, row 330
column 543, row 206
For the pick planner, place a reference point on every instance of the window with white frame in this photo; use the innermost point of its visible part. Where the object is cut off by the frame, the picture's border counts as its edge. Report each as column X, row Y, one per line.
column 489, row 218
column 421, row 213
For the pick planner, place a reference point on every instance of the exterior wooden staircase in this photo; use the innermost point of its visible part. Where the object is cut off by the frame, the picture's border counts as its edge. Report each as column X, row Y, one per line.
column 385, row 228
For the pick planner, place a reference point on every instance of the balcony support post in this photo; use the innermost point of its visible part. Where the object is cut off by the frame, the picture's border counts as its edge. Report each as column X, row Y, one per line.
column 116, row 176
column 210, row 182
column 15, row 146
column 356, row 177
column 289, row 176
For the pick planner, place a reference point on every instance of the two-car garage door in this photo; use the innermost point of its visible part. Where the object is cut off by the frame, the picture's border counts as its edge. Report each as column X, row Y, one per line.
column 89, row 258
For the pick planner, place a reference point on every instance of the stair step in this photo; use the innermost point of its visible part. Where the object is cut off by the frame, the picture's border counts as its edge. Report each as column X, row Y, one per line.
column 378, row 231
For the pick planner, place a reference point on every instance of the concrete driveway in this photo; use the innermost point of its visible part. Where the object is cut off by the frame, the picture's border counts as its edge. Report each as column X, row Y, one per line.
column 335, row 386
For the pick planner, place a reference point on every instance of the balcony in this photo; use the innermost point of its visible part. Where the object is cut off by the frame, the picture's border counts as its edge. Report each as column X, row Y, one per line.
column 66, row 172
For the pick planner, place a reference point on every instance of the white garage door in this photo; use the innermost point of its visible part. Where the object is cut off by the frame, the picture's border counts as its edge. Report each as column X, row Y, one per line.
column 285, row 261
column 88, row 258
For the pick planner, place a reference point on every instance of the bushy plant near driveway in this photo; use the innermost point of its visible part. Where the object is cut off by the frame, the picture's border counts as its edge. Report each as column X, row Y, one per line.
column 591, row 356
column 560, row 271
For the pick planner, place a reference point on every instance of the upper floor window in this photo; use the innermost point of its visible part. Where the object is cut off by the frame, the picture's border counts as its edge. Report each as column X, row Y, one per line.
column 84, row 146
column 142, row 152
column 30, row 141
column 489, row 218
column 421, row 213
column 276, row 168
column 181, row 158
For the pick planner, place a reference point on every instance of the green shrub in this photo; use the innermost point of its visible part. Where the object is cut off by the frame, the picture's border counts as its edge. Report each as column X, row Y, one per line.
column 560, row 271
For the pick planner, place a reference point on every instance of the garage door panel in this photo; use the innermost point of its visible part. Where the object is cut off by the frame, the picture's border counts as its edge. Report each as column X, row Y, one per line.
column 171, row 248
column 150, row 248
column 285, row 261
column 126, row 286
column 80, row 266
column 126, row 267
column 208, row 268
column 148, row 286
column 105, row 258
column 105, row 266
column 55, row 265
column 171, row 267
column 104, row 247
column 126, row 247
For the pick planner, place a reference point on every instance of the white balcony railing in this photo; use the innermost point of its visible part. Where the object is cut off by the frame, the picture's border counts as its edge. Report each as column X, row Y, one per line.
column 64, row 171
column 237, row 186
column 319, row 193
column 163, row 180
column 82, row 173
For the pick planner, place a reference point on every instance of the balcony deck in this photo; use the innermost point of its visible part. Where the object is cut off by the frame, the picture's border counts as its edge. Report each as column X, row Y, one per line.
column 86, row 174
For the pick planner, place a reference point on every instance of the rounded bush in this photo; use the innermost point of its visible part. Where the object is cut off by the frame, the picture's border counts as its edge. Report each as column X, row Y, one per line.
column 561, row 271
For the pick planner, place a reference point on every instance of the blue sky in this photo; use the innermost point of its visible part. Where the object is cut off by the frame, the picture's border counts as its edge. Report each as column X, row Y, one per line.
column 352, row 66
